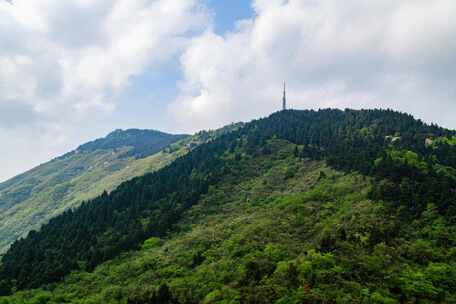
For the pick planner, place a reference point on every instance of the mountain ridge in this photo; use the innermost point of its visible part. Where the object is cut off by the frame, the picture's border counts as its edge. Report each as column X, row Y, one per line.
column 102, row 158
column 142, row 141
column 406, row 171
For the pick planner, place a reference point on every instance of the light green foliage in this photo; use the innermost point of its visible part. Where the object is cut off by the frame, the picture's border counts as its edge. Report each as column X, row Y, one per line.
column 66, row 182
column 417, row 284
column 265, row 235
column 151, row 243
column 444, row 140
column 405, row 157
column 408, row 157
column 31, row 199
column 452, row 141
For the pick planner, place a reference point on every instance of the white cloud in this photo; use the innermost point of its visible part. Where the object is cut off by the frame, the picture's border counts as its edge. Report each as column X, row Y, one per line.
column 380, row 53
column 91, row 48
column 64, row 63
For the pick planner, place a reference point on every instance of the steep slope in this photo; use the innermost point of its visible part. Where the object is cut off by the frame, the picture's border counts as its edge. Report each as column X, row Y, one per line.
column 31, row 199
column 277, row 229
column 312, row 234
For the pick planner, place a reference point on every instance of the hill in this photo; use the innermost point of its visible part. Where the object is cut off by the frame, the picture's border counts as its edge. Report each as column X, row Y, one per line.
column 301, row 207
column 31, row 199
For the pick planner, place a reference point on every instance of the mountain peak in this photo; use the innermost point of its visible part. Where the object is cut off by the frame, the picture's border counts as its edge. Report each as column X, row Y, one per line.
column 307, row 203
column 142, row 142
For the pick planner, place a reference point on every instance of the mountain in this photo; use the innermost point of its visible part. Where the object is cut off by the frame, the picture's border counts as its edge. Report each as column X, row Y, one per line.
column 141, row 143
column 321, row 206
column 31, row 199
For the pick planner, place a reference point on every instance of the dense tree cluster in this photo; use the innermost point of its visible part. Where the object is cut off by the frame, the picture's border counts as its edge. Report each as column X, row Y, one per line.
column 31, row 199
column 385, row 144
column 160, row 296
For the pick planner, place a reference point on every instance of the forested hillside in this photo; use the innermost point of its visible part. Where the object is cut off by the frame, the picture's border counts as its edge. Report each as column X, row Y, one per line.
column 31, row 199
column 300, row 207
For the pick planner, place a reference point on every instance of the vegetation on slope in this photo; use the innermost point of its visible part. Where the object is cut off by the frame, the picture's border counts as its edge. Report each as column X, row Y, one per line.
column 387, row 145
column 142, row 142
column 278, row 229
column 31, row 199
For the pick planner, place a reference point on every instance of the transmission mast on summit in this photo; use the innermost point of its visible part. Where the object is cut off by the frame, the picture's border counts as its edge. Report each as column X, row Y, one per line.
column 284, row 98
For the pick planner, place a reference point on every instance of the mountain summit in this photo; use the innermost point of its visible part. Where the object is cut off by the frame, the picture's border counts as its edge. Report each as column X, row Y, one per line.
column 324, row 206
column 142, row 143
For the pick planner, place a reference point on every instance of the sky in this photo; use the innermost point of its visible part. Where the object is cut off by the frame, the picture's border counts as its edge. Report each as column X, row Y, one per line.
column 74, row 70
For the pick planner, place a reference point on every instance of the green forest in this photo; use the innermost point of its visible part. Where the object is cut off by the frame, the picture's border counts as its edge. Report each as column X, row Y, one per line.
column 31, row 199
column 328, row 206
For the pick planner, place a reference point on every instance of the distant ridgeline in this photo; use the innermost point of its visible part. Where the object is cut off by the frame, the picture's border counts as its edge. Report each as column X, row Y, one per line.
column 413, row 164
column 30, row 199
column 142, row 142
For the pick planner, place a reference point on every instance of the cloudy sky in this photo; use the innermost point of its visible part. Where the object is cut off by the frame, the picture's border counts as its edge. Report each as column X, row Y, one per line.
column 74, row 70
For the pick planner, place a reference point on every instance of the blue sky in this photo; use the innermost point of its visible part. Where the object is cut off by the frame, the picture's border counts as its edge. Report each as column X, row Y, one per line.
column 152, row 90
column 74, row 70
column 226, row 13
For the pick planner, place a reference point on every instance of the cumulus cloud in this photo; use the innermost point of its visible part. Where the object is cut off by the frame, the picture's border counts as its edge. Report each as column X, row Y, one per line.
column 83, row 52
column 63, row 63
column 380, row 53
